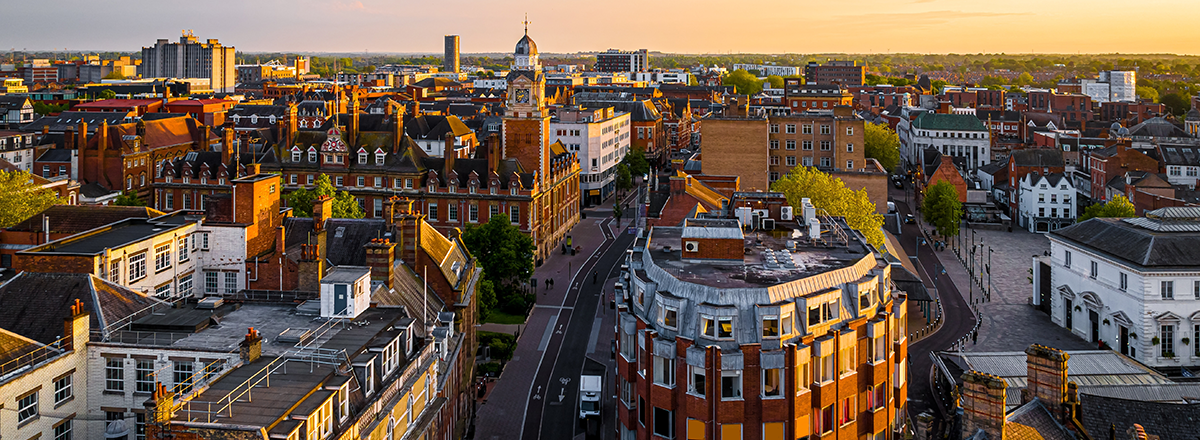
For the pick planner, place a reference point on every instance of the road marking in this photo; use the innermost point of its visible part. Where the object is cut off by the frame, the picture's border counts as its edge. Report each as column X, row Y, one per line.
column 562, row 394
column 559, row 331
column 595, row 336
column 540, row 306
column 549, row 332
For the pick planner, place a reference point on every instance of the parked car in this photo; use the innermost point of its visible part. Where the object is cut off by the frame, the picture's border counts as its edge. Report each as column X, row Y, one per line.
column 909, row 219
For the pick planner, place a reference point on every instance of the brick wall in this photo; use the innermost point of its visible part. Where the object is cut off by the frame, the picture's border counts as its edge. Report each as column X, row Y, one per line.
column 736, row 147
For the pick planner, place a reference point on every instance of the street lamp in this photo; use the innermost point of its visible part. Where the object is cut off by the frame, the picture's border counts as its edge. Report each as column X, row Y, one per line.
column 989, row 272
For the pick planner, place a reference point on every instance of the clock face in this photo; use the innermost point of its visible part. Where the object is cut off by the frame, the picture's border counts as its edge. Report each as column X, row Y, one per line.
column 522, row 96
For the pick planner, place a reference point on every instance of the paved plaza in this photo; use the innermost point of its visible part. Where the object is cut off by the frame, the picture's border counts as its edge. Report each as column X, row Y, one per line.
column 1009, row 322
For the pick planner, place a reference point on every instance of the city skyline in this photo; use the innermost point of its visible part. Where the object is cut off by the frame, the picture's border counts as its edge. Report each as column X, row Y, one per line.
column 873, row 26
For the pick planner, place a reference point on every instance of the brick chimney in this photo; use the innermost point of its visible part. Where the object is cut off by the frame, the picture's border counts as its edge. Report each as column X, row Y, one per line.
column 353, row 129
column 310, row 268
column 983, row 405
column 251, row 347
column 406, row 228
column 449, row 164
column 1046, row 378
column 82, row 141
column 205, row 132
column 101, row 150
column 397, row 112
column 292, row 125
column 69, row 139
column 227, row 140
column 322, row 210
column 158, row 409
column 77, row 326
column 493, row 153
column 381, row 257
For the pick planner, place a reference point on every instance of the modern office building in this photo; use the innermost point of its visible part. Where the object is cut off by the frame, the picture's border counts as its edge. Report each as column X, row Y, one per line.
column 189, row 58
column 450, row 59
column 600, row 138
column 726, row 334
column 622, row 61
column 845, row 73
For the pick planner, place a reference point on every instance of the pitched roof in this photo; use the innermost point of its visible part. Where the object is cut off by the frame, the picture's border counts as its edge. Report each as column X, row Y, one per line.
column 1032, row 421
column 35, row 304
column 1038, row 157
column 1157, row 127
column 1136, row 245
column 73, row 219
column 13, row 346
column 62, row 121
column 940, row 121
column 1167, row 421
column 435, row 127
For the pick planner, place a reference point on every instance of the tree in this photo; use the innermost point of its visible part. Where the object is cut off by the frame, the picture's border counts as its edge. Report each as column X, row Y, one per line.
column 487, row 298
column 942, row 208
column 1024, row 79
column 115, row 74
column 1118, row 207
column 128, row 198
column 1177, row 103
column 344, row 204
column 830, row 194
column 368, row 69
column 776, row 81
column 636, row 160
column 743, row 82
column 21, row 198
column 106, row 94
column 882, row 144
column 624, row 179
column 617, row 212
column 504, row 252
column 1147, row 93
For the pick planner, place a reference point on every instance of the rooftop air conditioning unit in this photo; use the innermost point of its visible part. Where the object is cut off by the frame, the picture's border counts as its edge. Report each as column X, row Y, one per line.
column 768, row 224
column 785, row 213
column 691, row 246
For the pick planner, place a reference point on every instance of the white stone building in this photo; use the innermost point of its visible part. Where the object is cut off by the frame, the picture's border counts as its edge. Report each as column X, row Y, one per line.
column 1047, row 202
column 17, row 149
column 1133, row 283
column 600, row 138
column 951, row 134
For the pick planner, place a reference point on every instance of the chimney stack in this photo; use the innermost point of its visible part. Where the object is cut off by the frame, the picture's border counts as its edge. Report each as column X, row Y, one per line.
column 1046, row 378
column 407, row 229
column 322, row 210
column 381, row 258
column 69, row 138
column 292, row 125
column 227, row 141
column 397, row 112
column 493, row 153
column 251, row 347
column 310, row 268
column 83, row 135
column 983, row 405
column 353, row 131
column 448, row 155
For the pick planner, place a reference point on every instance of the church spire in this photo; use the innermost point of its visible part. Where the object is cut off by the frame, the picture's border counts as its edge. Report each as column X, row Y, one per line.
column 526, row 22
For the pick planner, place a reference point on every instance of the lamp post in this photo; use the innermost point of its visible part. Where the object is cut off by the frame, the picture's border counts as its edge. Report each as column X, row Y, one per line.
column 989, row 273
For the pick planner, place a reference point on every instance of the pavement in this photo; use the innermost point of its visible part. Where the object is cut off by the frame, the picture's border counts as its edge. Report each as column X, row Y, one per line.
column 534, row 377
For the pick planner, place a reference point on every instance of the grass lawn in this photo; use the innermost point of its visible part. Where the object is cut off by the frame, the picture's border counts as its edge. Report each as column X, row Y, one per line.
column 499, row 317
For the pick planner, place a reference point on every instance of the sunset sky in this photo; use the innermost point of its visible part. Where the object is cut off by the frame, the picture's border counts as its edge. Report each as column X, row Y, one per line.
column 694, row 26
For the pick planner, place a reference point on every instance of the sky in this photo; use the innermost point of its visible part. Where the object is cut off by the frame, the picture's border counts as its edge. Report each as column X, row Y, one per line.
column 567, row 26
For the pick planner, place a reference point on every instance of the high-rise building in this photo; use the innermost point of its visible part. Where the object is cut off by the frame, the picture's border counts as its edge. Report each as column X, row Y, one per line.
column 845, row 73
column 1112, row 86
column 450, row 61
column 622, row 61
column 189, row 58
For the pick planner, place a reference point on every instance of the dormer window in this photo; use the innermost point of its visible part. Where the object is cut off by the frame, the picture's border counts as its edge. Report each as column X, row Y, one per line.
column 473, row 188
column 512, row 190
column 379, row 157
column 362, row 158
column 296, row 156
column 312, row 156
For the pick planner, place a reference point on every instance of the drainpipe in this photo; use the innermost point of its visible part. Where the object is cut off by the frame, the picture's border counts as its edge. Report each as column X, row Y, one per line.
column 46, row 228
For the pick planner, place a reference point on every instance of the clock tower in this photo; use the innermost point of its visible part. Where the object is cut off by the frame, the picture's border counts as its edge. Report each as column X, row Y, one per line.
column 526, row 122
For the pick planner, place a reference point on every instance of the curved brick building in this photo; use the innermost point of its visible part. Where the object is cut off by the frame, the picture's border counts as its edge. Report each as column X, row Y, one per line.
column 733, row 334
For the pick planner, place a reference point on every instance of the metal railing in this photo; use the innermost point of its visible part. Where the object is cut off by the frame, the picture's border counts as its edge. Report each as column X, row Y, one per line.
column 145, row 337
column 248, row 295
column 34, row 357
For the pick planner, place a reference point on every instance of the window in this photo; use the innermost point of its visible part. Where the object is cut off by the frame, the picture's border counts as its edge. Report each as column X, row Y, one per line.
column 697, row 383
column 725, row 328
column 791, row 161
column 772, row 383
column 379, row 158
column 825, row 419
column 362, row 158
column 825, row 129
column 144, row 376
column 849, row 358
column 1095, row 270
column 210, row 283
column 114, row 374
column 183, row 250
column 379, row 182
column 493, row 210
column 849, row 410
column 309, row 179
column 514, row 214
column 664, row 371
column 114, row 273
column 900, row 374
column 849, row 148
column 1167, row 342
column 826, row 365
column 806, row 128
column 183, row 376
column 408, row 183
column 664, row 423
column 790, row 144
column 340, row 180
column 1196, row 288
column 137, row 267
column 1195, row 337
column 162, row 257
column 296, row 156
column 1168, row 289
column 231, row 282
column 27, row 407
column 849, row 131
column 63, row 390
column 139, row 425
column 806, row 145
column 361, row 181
column 62, row 431
column 774, row 144
column 774, row 160
column 790, row 128
column 731, row 384
column 849, row 164
column 453, row 211
column 312, row 156
column 169, row 201
column 473, row 212
column 803, row 376
column 807, row 161
column 669, row 317
column 770, row 326
column 204, row 241
column 433, row 211
column 879, row 349
column 163, row 291
column 1125, row 282
column 1067, row 259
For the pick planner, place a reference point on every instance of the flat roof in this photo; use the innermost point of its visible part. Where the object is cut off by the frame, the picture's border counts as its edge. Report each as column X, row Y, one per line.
column 114, row 235
column 773, row 257
column 345, row 274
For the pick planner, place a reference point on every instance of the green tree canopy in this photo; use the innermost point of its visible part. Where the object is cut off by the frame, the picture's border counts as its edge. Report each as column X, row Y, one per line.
column 830, row 194
column 1024, row 79
column 743, row 82
column 21, row 198
column 1147, row 93
column 776, row 81
column 882, row 144
column 636, row 161
column 1118, row 207
column 128, row 198
column 504, row 252
column 115, row 74
column 106, row 94
column 942, row 208
column 624, row 178
column 1177, row 103
column 344, row 204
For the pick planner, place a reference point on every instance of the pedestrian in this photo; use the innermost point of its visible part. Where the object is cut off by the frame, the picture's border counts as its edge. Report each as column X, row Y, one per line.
column 552, row 283
column 594, row 274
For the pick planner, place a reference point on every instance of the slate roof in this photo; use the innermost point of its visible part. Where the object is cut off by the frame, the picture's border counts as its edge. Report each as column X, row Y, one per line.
column 35, row 304
column 13, row 102
column 1032, row 421
column 1179, row 154
column 1038, row 157
column 196, row 160
column 73, row 219
column 1135, row 245
column 55, row 155
column 13, row 346
column 992, row 168
column 434, row 127
column 939, row 121
column 1157, row 127
column 638, row 109
column 437, row 82
column 1167, row 421
column 998, row 115
column 344, row 239
column 62, row 121
column 95, row 190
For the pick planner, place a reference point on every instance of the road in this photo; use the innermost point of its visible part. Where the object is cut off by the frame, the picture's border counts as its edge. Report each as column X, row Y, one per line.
column 958, row 317
column 552, row 409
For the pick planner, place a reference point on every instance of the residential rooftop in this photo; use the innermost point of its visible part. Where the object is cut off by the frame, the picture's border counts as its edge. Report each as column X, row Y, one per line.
column 115, row 235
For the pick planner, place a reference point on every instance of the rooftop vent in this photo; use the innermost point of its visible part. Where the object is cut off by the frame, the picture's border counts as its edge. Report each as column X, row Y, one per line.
column 210, row 303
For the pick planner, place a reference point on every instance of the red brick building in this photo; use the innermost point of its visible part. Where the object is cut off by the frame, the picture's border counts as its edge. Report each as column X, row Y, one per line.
column 1022, row 162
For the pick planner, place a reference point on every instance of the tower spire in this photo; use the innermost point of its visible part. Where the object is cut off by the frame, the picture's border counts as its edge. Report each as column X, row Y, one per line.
column 526, row 22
